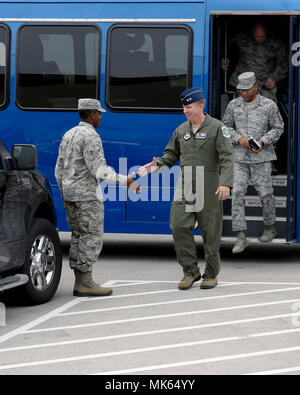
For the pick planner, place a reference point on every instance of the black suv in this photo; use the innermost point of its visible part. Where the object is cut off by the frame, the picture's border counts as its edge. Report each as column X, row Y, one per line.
column 30, row 250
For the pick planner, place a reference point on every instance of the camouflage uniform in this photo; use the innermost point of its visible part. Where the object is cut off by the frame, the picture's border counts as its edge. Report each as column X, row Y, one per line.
column 269, row 59
column 80, row 165
column 262, row 121
column 85, row 219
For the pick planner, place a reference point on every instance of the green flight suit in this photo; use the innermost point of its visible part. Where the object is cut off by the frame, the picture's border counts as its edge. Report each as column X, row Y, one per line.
column 210, row 147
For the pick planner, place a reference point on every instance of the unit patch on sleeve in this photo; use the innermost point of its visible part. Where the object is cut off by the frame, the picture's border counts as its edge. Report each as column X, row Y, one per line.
column 226, row 132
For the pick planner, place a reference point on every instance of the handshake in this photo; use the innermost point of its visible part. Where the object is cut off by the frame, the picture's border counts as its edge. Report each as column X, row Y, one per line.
column 142, row 171
column 132, row 185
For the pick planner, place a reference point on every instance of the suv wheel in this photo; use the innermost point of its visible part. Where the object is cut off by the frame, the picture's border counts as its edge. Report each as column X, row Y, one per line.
column 43, row 262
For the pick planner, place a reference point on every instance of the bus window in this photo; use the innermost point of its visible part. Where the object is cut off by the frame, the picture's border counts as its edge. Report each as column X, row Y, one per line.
column 3, row 64
column 56, row 65
column 155, row 67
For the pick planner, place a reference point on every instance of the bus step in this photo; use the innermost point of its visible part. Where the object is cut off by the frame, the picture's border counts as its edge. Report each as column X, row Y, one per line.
column 255, row 227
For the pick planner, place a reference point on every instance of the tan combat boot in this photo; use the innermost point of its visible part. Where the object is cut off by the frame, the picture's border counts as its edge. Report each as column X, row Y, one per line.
column 85, row 285
column 188, row 281
column 241, row 243
column 269, row 234
column 209, row 283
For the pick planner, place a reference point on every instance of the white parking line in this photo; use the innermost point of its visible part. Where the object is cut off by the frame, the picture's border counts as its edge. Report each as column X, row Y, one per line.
column 127, row 283
column 114, row 283
column 76, row 301
column 161, row 316
column 32, row 327
column 176, row 290
column 178, row 301
column 275, row 371
column 156, row 332
column 201, row 361
column 38, row 321
column 159, row 348
column 91, row 299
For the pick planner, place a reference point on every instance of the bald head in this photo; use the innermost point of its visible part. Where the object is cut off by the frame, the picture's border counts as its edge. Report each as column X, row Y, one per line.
column 259, row 31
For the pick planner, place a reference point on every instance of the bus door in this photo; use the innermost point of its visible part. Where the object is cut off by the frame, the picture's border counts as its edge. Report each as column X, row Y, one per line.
column 293, row 128
column 223, row 28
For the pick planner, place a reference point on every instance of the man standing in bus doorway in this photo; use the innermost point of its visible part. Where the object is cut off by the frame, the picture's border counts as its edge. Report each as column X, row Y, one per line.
column 262, row 53
column 253, row 115
column 80, row 166
column 204, row 148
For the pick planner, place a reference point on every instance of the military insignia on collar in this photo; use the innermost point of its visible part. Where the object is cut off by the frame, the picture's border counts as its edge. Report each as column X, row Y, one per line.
column 200, row 136
column 226, row 132
column 187, row 135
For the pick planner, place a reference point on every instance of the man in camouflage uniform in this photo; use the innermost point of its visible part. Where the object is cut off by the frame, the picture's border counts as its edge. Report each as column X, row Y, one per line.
column 253, row 115
column 265, row 55
column 80, row 166
column 204, row 148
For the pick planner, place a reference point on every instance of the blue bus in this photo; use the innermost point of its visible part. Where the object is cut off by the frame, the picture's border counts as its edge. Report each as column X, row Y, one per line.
column 136, row 57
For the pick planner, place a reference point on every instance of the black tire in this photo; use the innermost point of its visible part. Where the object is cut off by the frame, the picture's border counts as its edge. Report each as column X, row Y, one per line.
column 42, row 283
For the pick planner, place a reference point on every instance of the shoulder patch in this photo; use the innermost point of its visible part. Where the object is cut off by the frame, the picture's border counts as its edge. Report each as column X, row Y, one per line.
column 226, row 132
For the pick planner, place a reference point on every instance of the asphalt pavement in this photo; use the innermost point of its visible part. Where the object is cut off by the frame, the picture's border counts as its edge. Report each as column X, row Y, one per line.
column 249, row 324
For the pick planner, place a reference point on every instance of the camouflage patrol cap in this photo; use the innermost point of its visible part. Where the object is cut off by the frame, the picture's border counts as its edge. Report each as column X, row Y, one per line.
column 90, row 104
column 246, row 80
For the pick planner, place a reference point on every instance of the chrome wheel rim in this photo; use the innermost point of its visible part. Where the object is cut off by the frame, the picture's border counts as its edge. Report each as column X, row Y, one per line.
column 42, row 265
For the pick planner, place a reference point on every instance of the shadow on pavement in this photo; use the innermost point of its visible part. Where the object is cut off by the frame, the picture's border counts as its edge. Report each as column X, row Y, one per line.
column 133, row 247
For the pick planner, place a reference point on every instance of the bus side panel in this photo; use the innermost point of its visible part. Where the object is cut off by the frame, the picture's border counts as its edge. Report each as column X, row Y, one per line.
column 137, row 137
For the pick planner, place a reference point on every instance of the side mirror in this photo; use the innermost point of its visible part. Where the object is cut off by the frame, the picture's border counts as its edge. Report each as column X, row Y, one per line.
column 24, row 157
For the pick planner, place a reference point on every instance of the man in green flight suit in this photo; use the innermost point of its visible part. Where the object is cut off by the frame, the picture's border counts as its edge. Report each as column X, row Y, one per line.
column 204, row 148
